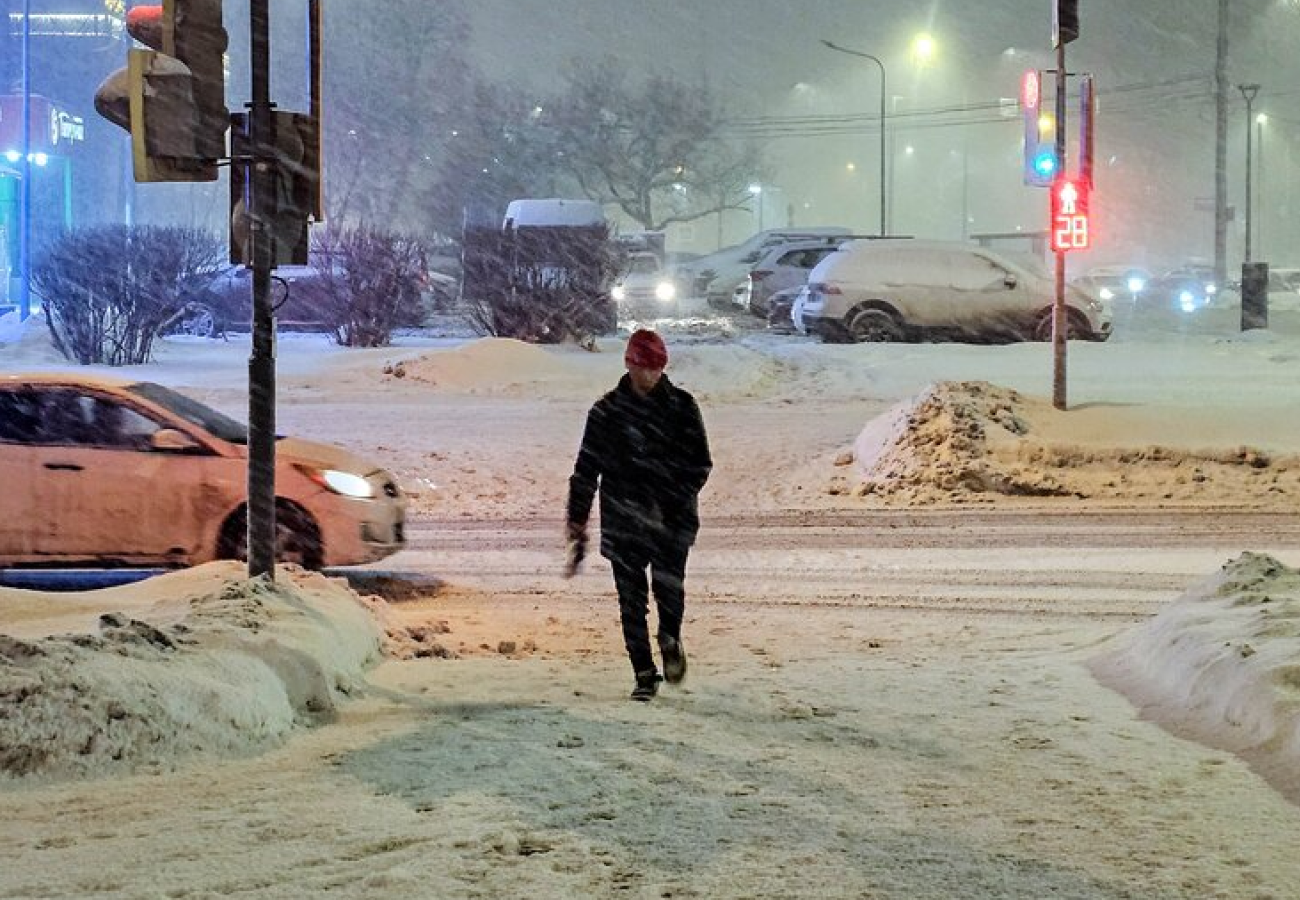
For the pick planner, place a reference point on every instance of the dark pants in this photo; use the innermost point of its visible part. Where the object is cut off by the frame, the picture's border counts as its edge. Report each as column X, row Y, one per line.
column 667, row 565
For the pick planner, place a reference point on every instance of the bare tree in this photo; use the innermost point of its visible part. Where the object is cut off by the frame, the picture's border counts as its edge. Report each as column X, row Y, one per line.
column 393, row 80
column 656, row 149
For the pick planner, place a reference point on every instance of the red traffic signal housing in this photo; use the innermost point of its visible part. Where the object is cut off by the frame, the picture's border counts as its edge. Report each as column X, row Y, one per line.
column 1071, row 227
column 172, row 98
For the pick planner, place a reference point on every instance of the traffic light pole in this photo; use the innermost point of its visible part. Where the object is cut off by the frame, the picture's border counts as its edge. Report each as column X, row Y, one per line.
column 1060, row 324
column 261, row 362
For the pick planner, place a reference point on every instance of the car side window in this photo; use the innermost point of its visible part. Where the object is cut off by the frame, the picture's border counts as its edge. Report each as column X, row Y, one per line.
column 20, row 417
column 793, row 258
column 85, row 420
column 975, row 273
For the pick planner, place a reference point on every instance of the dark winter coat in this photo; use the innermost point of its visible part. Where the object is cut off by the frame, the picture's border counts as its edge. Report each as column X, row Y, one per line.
column 649, row 456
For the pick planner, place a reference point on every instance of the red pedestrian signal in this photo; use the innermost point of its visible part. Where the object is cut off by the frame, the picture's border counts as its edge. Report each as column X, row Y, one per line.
column 1070, row 223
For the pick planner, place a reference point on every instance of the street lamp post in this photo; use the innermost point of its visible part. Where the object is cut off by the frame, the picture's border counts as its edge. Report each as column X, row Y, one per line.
column 1260, row 120
column 882, row 122
column 1248, row 91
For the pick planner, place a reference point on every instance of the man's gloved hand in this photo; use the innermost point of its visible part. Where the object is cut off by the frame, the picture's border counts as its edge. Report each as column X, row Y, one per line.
column 575, row 548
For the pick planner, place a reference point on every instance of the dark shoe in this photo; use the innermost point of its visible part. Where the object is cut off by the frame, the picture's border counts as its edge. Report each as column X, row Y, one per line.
column 674, row 659
column 647, row 685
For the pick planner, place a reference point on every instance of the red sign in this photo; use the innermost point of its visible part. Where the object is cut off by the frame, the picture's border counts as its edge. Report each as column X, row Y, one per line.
column 1070, row 221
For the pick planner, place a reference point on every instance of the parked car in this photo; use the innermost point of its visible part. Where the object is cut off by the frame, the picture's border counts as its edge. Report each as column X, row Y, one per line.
column 888, row 290
column 782, row 267
column 645, row 289
column 780, row 310
column 717, row 274
column 226, row 303
column 1283, row 290
column 118, row 472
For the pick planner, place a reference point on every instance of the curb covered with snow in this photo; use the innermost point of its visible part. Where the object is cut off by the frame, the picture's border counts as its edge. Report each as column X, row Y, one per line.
column 220, row 667
column 1222, row 665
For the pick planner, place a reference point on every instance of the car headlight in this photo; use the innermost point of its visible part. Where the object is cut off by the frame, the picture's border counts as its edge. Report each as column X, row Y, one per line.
column 1107, row 294
column 665, row 290
column 1211, row 290
column 1187, row 301
column 1136, row 285
column 344, row 483
column 619, row 292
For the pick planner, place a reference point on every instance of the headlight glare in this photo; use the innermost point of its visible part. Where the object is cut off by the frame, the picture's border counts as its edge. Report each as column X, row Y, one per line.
column 665, row 290
column 619, row 292
column 347, row 484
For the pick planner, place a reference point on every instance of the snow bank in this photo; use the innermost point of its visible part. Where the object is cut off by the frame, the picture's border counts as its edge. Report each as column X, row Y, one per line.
column 25, row 342
column 971, row 441
column 1222, row 665
column 218, row 665
column 487, row 365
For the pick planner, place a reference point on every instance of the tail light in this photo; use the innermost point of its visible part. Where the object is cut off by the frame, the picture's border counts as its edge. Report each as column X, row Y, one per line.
column 760, row 274
column 824, row 288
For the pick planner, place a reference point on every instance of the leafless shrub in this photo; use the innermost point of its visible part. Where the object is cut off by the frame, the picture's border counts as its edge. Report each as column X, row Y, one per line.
column 108, row 289
column 371, row 282
column 540, row 284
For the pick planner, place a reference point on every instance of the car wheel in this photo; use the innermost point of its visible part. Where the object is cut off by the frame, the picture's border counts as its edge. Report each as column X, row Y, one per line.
column 875, row 326
column 1074, row 328
column 197, row 320
column 297, row 537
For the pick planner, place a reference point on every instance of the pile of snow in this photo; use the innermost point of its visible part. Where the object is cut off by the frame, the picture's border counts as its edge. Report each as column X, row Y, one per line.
column 972, row 441
column 487, row 365
column 1222, row 665
column 202, row 662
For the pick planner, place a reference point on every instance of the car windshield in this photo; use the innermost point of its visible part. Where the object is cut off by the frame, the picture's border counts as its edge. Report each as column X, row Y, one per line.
column 192, row 411
column 643, row 265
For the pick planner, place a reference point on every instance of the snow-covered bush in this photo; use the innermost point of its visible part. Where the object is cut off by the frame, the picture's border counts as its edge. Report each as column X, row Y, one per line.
column 542, row 284
column 109, row 288
column 370, row 282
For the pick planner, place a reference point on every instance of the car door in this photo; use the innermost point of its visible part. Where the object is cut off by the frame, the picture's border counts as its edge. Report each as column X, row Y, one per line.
column 987, row 297
column 19, row 514
column 105, row 493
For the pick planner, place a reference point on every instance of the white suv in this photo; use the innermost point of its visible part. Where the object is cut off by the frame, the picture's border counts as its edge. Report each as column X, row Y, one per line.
column 886, row 290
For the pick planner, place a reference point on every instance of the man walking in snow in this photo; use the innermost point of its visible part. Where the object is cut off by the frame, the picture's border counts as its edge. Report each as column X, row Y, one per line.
column 645, row 450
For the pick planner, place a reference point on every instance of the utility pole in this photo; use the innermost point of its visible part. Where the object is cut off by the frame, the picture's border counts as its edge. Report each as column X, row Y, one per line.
column 1060, row 323
column 261, row 362
column 1221, row 149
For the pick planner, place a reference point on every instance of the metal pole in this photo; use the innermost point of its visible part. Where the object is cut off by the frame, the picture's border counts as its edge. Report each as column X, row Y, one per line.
column 1259, row 165
column 883, row 94
column 261, row 362
column 25, row 196
column 1248, row 91
column 1221, row 148
column 1060, row 324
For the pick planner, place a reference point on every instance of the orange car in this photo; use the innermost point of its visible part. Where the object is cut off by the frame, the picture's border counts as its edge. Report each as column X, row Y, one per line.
column 119, row 472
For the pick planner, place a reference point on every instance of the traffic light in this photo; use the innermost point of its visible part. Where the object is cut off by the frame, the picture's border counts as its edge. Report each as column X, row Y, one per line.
column 1071, row 227
column 1041, row 164
column 1065, row 21
column 172, row 99
column 296, row 199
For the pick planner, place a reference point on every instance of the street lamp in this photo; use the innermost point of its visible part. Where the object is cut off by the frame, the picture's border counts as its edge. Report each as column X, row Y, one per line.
column 1248, row 91
column 882, row 121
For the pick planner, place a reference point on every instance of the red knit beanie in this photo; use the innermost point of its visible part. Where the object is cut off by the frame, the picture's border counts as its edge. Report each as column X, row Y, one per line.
column 646, row 350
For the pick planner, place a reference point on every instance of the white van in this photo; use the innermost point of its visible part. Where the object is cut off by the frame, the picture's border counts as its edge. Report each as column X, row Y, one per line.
column 886, row 290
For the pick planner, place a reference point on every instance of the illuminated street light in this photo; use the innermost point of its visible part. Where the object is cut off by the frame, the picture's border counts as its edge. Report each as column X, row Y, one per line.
column 923, row 48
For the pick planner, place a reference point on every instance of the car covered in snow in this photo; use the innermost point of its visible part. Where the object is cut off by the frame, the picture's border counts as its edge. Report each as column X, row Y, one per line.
column 718, row 274
column 893, row 290
column 111, row 471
